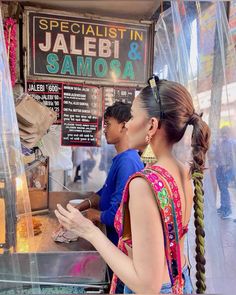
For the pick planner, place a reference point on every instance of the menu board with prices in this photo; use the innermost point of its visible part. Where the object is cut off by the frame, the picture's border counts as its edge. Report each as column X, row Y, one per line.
column 81, row 116
column 48, row 93
column 111, row 95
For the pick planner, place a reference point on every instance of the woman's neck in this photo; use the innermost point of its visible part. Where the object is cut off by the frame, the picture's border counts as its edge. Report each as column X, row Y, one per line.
column 162, row 150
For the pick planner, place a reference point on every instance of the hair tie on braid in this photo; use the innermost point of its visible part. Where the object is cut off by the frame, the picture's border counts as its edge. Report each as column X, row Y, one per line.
column 193, row 118
column 197, row 176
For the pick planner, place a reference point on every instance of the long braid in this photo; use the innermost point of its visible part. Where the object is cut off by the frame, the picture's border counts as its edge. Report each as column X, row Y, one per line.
column 200, row 145
column 199, row 231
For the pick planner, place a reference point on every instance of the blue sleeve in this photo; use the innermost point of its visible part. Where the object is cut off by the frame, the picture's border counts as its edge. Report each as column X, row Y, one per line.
column 99, row 192
column 126, row 168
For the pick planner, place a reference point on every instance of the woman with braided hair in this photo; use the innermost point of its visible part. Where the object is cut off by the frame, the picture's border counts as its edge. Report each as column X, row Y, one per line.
column 156, row 206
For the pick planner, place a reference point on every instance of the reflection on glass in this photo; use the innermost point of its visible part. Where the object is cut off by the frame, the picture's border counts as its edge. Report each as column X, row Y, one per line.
column 193, row 46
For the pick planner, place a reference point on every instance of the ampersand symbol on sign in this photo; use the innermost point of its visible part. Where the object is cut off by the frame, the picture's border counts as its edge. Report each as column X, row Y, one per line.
column 133, row 54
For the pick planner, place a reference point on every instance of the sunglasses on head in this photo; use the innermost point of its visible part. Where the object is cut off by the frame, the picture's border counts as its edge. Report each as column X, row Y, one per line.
column 156, row 95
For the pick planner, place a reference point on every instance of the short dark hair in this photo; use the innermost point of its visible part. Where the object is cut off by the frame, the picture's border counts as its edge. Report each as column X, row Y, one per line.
column 119, row 111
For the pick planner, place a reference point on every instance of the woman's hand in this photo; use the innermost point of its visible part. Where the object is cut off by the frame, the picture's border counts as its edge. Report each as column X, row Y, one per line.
column 72, row 219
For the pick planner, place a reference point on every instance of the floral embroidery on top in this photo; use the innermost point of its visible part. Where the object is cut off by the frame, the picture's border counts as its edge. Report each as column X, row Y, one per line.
column 163, row 196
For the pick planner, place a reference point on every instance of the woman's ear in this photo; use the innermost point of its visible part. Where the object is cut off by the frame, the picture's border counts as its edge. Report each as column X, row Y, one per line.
column 154, row 124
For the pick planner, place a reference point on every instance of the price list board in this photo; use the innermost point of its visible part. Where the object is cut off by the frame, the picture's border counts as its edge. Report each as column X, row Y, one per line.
column 111, row 95
column 50, row 94
column 81, row 115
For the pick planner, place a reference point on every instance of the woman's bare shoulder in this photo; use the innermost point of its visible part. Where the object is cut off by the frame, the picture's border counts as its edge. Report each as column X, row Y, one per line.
column 138, row 183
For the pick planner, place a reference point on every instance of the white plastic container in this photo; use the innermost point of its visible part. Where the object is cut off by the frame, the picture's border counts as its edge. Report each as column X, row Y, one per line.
column 75, row 202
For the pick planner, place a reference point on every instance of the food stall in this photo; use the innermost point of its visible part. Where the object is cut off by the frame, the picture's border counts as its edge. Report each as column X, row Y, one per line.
column 31, row 260
column 76, row 266
column 78, row 57
column 77, row 66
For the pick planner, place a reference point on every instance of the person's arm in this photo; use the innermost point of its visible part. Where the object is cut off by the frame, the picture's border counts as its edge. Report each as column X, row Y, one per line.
column 91, row 202
column 90, row 207
column 143, row 273
column 229, row 156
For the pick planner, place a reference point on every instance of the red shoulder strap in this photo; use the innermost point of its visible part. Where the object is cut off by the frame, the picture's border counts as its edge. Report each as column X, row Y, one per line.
column 170, row 182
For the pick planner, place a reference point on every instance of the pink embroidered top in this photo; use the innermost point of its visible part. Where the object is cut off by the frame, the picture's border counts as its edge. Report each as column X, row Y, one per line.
column 169, row 204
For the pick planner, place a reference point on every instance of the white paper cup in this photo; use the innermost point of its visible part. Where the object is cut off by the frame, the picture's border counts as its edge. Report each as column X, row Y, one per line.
column 75, row 202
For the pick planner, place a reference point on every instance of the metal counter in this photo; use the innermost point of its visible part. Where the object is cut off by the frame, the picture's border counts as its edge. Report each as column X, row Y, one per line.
column 44, row 242
column 76, row 263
